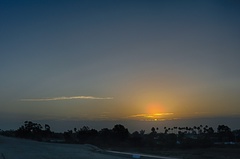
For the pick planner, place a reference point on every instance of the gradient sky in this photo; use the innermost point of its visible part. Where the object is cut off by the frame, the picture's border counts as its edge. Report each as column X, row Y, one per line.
column 119, row 60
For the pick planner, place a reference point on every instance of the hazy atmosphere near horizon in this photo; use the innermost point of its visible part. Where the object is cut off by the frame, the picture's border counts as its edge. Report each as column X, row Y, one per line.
column 137, row 62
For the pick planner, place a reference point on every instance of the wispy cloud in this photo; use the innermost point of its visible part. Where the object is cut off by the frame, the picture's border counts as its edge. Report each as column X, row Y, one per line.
column 150, row 115
column 64, row 98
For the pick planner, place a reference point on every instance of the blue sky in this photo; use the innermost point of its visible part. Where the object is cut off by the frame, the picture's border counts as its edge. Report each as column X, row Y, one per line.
column 114, row 60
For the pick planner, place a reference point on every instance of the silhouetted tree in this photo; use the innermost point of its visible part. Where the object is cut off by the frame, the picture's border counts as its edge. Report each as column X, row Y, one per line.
column 136, row 139
column 68, row 136
column 30, row 130
column 165, row 130
column 236, row 134
column 47, row 132
column 120, row 132
column 153, row 130
column 225, row 134
column 142, row 132
column 106, row 136
column 86, row 135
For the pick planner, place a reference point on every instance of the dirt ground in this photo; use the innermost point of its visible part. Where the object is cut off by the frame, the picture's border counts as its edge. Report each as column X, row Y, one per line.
column 197, row 153
column 12, row 148
column 207, row 153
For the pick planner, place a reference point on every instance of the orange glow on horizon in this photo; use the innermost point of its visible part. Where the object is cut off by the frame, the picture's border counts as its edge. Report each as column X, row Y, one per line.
column 151, row 111
column 152, row 117
column 154, row 108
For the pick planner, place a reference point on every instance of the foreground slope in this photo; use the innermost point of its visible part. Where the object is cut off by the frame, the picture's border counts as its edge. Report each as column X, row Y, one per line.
column 13, row 148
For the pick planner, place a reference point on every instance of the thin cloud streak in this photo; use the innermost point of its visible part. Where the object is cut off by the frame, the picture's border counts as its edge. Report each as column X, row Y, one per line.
column 149, row 115
column 152, row 117
column 65, row 98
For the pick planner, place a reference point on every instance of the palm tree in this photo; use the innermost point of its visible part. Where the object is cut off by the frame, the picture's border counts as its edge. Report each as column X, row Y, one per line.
column 153, row 130
column 165, row 130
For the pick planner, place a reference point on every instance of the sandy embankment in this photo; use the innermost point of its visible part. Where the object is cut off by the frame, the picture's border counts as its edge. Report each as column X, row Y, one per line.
column 13, row 148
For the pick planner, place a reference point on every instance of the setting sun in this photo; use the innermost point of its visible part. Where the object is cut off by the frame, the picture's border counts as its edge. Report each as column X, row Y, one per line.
column 153, row 112
column 154, row 108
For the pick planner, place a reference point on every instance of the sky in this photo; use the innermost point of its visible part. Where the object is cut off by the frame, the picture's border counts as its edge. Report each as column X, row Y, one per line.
column 138, row 61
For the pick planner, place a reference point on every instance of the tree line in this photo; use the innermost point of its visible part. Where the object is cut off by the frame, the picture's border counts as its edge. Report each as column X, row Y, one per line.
column 119, row 136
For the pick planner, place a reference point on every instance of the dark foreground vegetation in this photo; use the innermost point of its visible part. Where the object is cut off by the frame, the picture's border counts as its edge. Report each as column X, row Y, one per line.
column 196, row 139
